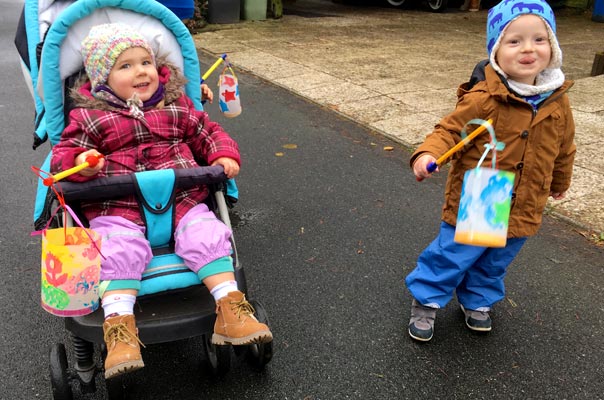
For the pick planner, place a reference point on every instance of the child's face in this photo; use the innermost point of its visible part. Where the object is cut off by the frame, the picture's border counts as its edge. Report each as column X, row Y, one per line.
column 524, row 50
column 134, row 72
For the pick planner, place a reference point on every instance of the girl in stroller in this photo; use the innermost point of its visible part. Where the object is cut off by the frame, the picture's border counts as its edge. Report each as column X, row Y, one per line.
column 131, row 110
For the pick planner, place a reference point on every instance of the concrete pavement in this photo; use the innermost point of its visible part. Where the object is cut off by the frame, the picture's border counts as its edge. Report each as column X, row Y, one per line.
column 396, row 72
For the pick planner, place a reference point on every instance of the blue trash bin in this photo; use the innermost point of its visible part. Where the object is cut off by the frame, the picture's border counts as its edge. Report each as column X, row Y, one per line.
column 184, row 9
column 598, row 12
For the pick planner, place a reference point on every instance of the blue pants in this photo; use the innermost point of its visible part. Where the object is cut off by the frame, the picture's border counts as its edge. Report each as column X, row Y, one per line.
column 476, row 273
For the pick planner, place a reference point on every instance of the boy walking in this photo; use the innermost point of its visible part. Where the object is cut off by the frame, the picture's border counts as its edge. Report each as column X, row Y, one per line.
column 523, row 90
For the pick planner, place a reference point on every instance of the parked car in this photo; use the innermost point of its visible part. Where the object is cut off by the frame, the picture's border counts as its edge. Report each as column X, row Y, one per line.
column 434, row 5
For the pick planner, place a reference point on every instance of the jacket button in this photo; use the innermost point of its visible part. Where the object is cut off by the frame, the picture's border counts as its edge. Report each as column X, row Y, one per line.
column 520, row 165
column 524, row 134
column 158, row 206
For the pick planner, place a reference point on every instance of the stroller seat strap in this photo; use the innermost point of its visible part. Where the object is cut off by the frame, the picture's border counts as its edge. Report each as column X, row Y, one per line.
column 155, row 192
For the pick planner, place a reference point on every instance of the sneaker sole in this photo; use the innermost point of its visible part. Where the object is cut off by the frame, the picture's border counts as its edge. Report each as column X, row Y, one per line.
column 477, row 329
column 124, row 368
column 421, row 339
column 473, row 328
column 258, row 337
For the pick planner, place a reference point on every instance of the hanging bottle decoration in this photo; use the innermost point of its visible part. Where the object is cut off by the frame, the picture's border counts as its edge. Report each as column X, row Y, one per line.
column 229, row 101
column 486, row 197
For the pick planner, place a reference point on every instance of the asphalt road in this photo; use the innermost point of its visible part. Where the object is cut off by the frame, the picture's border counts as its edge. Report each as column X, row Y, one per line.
column 326, row 231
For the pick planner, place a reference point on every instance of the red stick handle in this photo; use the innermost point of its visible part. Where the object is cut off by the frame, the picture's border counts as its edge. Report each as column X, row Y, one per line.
column 93, row 160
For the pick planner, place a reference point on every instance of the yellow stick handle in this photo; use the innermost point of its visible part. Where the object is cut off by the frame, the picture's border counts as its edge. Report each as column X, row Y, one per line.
column 213, row 67
column 459, row 145
column 70, row 171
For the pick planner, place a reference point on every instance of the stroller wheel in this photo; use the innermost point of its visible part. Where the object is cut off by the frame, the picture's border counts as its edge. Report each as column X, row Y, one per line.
column 219, row 357
column 260, row 354
column 59, row 377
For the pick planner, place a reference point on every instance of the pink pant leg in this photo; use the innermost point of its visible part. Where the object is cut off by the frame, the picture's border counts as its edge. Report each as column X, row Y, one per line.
column 201, row 238
column 124, row 246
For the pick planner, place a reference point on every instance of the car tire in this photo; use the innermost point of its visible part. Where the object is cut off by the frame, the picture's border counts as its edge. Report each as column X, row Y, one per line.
column 396, row 3
column 437, row 5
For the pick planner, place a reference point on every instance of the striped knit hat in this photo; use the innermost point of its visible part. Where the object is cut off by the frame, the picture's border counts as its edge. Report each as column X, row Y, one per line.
column 103, row 45
column 506, row 11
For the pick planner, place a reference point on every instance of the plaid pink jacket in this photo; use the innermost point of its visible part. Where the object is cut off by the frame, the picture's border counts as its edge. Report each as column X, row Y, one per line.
column 168, row 137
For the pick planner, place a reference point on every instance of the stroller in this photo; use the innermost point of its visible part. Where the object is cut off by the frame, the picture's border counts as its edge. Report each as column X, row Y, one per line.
column 172, row 304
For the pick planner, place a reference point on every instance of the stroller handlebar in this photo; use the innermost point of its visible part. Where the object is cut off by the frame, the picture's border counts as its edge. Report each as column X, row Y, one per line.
column 124, row 185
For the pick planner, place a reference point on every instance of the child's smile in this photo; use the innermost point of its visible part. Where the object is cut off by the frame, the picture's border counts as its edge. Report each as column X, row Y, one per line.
column 142, row 88
column 527, row 60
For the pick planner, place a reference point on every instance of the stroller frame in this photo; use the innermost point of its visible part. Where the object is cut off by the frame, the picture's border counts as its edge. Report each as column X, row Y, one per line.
column 161, row 317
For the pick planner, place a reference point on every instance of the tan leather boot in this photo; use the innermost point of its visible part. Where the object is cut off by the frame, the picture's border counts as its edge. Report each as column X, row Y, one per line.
column 123, row 346
column 236, row 324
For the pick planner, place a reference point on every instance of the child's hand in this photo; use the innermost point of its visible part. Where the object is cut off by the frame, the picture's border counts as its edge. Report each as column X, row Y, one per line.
column 557, row 195
column 420, row 167
column 206, row 93
column 231, row 168
column 81, row 158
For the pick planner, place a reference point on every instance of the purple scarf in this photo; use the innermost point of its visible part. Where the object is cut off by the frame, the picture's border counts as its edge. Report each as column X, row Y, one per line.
column 104, row 92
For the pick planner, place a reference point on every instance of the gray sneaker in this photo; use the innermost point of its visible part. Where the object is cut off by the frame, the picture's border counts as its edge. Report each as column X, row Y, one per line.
column 421, row 324
column 477, row 320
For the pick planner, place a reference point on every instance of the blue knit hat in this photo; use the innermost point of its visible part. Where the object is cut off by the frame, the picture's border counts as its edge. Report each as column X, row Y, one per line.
column 506, row 11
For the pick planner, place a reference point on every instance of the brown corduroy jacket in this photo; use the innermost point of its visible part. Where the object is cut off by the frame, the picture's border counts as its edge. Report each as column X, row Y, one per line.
column 539, row 147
